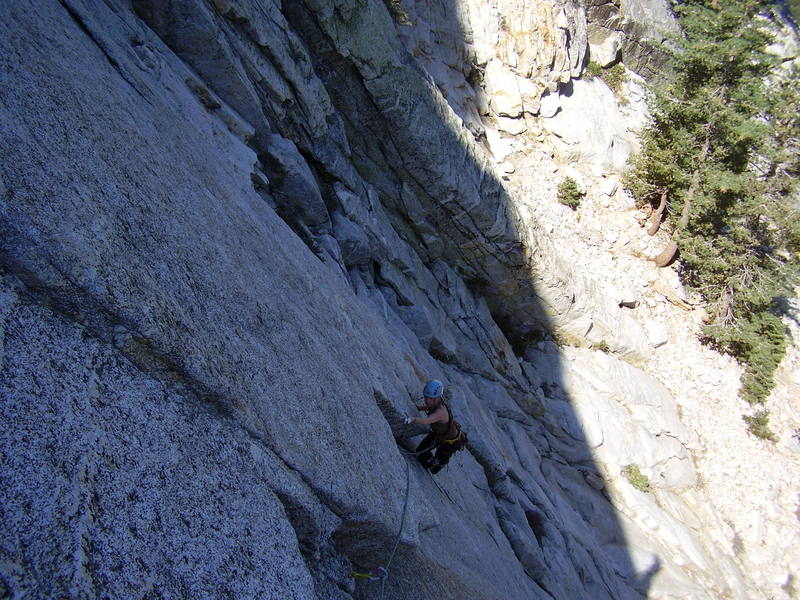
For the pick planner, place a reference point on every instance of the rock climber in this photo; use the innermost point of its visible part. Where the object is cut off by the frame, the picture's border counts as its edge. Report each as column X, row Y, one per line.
column 446, row 436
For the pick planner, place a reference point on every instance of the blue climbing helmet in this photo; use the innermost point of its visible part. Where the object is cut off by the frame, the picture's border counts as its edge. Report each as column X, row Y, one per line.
column 433, row 389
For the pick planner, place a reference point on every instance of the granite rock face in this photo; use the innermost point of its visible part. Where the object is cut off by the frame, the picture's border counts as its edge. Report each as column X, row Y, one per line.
column 236, row 237
column 602, row 144
column 632, row 31
column 495, row 57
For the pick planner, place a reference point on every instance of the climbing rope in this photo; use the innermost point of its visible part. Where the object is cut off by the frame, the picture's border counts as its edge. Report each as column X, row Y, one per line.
column 399, row 531
column 428, row 449
column 382, row 573
column 436, row 483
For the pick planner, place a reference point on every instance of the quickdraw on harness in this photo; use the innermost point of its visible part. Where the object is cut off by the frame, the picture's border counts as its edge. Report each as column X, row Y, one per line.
column 373, row 575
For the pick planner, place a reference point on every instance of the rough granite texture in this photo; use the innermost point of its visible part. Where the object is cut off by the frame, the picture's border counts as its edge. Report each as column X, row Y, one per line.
column 236, row 237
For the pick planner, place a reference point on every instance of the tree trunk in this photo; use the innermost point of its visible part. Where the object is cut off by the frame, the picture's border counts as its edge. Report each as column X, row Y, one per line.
column 724, row 310
column 687, row 203
column 658, row 215
column 670, row 252
column 667, row 255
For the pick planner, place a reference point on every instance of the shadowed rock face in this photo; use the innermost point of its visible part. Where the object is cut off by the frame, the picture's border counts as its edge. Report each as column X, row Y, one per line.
column 236, row 237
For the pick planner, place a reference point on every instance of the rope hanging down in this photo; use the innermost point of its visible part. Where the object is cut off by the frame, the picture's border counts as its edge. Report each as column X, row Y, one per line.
column 382, row 573
column 400, row 530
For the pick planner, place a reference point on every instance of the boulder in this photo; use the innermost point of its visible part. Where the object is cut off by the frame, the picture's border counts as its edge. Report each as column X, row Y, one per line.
column 589, row 128
column 353, row 241
column 503, row 90
column 293, row 184
column 604, row 46
column 512, row 126
column 550, row 105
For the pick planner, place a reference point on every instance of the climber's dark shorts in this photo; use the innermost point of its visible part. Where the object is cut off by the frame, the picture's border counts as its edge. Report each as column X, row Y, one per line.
column 444, row 451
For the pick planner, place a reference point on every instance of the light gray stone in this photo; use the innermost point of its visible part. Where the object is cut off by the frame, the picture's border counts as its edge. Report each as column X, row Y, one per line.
column 656, row 333
column 512, row 126
column 550, row 105
column 604, row 47
column 591, row 128
column 503, row 89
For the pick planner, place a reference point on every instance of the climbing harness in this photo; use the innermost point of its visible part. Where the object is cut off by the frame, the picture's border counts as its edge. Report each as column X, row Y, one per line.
column 458, row 438
column 382, row 573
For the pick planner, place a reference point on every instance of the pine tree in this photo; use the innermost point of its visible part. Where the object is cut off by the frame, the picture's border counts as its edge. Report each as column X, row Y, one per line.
column 794, row 8
column 719, row 159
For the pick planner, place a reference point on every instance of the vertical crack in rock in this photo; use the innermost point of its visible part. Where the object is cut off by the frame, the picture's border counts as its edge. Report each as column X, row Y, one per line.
column 330, row 569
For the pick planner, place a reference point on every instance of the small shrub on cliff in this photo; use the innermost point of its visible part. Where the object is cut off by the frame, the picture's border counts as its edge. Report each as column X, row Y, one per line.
column 603, row 346
column 636, row 478
column 398, row 12
column 614, row 76
column 593, row 69
column 758, row 425
column 569, row 193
